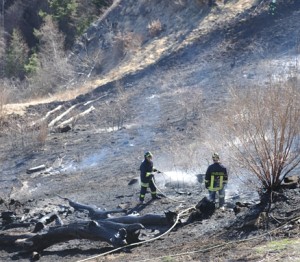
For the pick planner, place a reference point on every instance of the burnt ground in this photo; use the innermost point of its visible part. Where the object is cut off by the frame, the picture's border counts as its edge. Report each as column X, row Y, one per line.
column 164, row 109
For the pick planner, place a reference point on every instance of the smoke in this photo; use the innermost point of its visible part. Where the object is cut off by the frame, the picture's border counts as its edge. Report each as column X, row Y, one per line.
column 94, row 159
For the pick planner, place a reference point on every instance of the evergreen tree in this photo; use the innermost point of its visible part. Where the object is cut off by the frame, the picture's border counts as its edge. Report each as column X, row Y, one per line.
column 32, row 66
column 52, row 67
column 17, row 56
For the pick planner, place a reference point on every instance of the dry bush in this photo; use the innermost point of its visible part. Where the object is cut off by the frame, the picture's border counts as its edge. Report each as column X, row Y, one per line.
column 154, row 27
column 23, row 138
column 262, row 131
column 115, row 112
column 3, row 101
column 190, row 101
column 42, row 133
column 124, row 42
column 91, row 63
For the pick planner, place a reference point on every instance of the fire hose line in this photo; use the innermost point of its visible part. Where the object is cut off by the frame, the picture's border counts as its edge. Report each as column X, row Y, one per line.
column 175, row 200
column 189, row 252
column 219, row 245
column 142, row 242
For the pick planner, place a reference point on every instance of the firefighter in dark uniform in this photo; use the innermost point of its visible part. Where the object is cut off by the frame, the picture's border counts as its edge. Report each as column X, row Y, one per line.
column 216, row 178
column 147, row 177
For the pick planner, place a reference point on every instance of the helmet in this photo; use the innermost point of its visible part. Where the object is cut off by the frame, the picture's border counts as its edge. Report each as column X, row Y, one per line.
column 215, row 156
column 148, row 154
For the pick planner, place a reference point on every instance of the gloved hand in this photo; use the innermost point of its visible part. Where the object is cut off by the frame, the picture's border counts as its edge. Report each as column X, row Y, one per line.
column 154, row 170
column 206, row 185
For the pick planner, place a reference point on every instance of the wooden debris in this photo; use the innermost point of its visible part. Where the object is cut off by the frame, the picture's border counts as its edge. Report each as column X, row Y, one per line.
column 35, row 169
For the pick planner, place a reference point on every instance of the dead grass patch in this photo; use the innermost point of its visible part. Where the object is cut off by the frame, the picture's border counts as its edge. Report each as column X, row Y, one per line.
column 154, row 27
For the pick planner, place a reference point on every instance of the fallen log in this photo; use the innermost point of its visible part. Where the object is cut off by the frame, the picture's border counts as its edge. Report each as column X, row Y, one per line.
column 94, row 212
column 74, row 118
column 47, row 219
column 117, row 231
column 54, row 121
column 47, row 116
column 9, row 239
column 17, row 225
column 35, row 169
column 147, row 220
column 116, row 235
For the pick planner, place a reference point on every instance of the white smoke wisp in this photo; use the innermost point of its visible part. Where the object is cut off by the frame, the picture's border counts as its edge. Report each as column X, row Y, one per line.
column 177, row 179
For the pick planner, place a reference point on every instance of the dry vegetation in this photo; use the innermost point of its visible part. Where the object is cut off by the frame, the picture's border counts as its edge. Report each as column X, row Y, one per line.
column 182, row 110
column 262, row 131
column 154, row 27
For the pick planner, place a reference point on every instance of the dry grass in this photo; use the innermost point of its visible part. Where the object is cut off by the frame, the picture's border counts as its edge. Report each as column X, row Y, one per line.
column 154, row 27
column 3, row 101
column 42, row 133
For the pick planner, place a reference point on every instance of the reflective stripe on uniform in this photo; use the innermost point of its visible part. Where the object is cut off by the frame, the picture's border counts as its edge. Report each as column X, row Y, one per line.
column 212, row 181
column 148, row 174
column 144, row 184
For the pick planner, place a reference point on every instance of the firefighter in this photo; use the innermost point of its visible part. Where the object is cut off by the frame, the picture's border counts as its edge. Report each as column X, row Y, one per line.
column 216, row 178
column 147, row 176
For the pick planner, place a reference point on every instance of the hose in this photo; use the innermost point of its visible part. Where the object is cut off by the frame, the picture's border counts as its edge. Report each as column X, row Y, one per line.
column 175, row 200
column 152, row 239
column 142, row 242
column 219, row 245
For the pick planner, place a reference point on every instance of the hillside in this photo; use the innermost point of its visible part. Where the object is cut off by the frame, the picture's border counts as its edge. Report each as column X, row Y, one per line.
column 158, row 72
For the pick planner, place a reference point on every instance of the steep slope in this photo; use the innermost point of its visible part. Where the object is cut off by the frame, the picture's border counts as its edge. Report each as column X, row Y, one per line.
column 226, row 35
column 149, row 92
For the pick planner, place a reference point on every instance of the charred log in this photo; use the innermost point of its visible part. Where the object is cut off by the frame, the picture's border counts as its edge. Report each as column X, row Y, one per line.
column 94, row 212
column 9, row 239
column 203, row 210
column 45, row 220
column 148, row 219
column 116, row 235
column 35, row 169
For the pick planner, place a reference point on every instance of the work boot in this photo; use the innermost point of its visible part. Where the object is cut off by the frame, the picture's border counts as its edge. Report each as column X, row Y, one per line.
column 154, row 197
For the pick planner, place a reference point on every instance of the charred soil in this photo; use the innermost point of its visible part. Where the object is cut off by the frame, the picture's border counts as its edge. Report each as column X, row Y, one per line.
column 159, row 108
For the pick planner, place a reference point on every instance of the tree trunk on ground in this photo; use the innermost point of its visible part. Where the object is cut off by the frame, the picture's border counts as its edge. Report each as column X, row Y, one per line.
column 117, row 231
column 114, row 234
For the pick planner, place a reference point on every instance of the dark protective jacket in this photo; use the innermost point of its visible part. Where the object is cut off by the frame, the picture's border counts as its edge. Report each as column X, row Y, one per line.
column 216, row 176
column 146, row 169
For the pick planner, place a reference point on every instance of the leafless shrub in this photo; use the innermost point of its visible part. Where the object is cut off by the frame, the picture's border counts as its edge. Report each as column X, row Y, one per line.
column 190, row 101
column 263, row 131
column 115, row 112
column 23, row 138
column 42, row 133
column 154, row 27
column 124, row 42
column 2, row 51
column 3, row 101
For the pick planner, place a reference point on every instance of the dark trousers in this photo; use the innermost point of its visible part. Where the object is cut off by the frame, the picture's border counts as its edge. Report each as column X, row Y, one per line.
column 221, row 195
column 144, row 190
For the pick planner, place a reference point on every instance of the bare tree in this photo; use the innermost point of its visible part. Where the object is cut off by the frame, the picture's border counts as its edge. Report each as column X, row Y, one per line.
column 262, row 126
column 54, row 68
